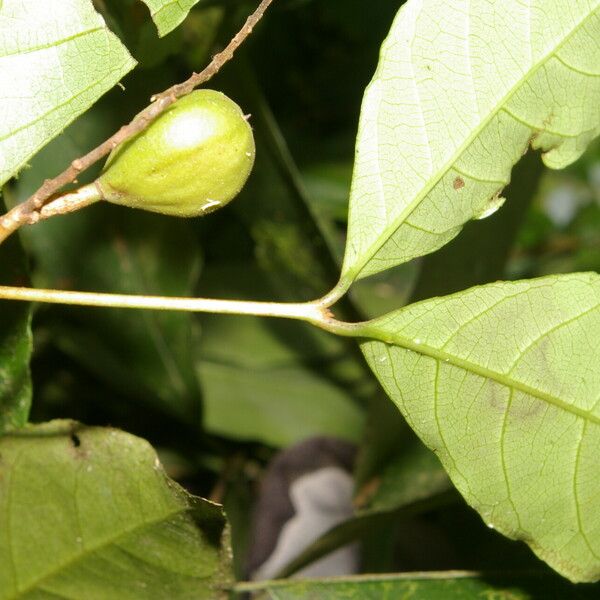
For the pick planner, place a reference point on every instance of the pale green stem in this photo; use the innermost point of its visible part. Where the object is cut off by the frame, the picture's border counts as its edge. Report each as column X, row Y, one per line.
column 314, row 313
column 306, row 311
column 257, row 586
column 340, row 289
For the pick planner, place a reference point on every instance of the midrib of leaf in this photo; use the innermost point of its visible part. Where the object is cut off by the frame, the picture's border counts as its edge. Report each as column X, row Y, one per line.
column 52, row 44
column 87, row 551
column 351, row 274
column 372, row 332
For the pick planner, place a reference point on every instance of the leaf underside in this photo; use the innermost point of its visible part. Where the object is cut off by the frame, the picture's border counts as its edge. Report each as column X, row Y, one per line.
column 502, row 382
column 57, row 58
column 168, row 14
column 462, row 89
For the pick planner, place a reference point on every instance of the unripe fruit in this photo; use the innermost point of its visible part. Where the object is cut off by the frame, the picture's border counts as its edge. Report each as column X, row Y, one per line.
column 193, row 159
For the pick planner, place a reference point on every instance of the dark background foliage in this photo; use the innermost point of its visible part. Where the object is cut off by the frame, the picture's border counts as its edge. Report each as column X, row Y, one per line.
column 217, row 395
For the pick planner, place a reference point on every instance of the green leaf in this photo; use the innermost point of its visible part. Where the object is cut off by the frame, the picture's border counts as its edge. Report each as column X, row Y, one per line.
column 502, row 382
column 89, row 513
column 450, row 585
column 277, row 406
column 271, row 381
column 461, row 91
column 58, row 58
column 167, row 14
column 15, row 342
column 413, row 475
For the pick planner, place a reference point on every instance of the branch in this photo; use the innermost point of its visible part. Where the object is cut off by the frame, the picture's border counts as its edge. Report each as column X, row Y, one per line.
column 314, row 312
column 28, row 211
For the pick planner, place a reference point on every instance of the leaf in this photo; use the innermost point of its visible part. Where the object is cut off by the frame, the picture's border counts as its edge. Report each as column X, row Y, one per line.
column 277, row 406
column 271, row 381
column 57, row 59
column 502, row 382
column 477, row 256
column 167, row 14
column 88, row 512
column 15, row 342
column 450, row 585
column 414, row 475
column 461, row 90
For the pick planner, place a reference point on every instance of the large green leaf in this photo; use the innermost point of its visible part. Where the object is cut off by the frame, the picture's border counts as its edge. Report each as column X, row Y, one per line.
column 502, row 382
column 15, row 342
column 451, row 585
column 89, row 513
column 462, row 89
column 57, row 59
column 167, row 14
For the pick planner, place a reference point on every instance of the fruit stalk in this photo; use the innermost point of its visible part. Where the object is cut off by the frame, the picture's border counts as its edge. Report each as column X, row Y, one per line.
column 160, row 103
column 69, row 202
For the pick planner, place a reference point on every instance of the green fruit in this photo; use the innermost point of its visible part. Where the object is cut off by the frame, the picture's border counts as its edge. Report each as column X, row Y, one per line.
column 193, row 159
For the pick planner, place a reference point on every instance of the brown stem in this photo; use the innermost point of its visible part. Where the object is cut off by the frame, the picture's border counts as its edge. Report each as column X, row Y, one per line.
column 60, row 205
column 29, row 211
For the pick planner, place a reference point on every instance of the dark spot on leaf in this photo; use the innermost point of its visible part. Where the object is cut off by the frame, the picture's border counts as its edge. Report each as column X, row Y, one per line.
column 459, row 183
column 75, row 440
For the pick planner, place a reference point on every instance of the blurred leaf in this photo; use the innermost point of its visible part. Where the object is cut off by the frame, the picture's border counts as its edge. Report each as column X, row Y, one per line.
column 146, row 354
column 167, row 14
column 328, row 185
column 58, row 58
column 238, row 502
column 501, row 382
column 416, row 474
column 15, row 342
column 151, row 51
column 272, row 381
column 360, row 527
column 199, row 33
column 91, row 513
column 450, row 585
column 278, row 406
column 447, row 115
column 292, row 243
